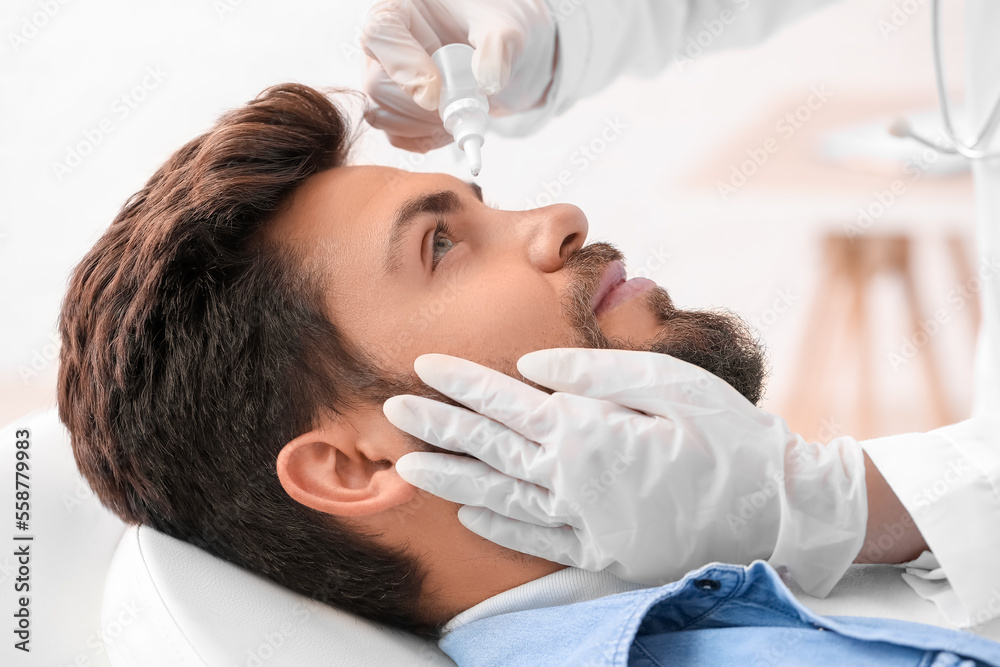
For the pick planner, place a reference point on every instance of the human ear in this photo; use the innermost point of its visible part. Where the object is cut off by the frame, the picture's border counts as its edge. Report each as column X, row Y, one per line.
column 344, row 467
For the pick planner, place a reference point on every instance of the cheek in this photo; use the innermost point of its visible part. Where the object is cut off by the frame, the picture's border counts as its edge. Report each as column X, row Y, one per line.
column 509, row 310
column 484, row 318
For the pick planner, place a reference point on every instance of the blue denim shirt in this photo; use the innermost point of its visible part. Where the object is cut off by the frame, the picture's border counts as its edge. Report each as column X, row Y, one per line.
column 717, row 615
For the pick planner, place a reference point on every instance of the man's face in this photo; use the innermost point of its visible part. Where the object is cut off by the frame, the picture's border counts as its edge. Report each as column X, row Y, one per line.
column 420, row 264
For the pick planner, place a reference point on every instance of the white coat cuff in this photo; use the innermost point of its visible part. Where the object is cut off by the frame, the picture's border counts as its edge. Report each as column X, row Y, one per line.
column 949, row 482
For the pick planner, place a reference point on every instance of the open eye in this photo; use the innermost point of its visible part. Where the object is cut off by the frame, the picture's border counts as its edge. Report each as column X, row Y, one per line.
column 441, row 242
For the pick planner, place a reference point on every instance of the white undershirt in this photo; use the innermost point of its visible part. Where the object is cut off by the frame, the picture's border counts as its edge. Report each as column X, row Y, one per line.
column 567, row 586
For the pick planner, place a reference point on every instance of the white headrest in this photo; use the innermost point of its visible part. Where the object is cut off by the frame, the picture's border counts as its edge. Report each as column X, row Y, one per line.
column 179, row 606
column 73, row 539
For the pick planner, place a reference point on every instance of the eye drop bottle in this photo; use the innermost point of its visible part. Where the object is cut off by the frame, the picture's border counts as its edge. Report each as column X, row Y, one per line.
column 463, row 107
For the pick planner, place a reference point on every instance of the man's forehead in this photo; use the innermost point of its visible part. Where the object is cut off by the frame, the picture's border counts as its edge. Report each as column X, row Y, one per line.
column 336, row 197
column 355, row 199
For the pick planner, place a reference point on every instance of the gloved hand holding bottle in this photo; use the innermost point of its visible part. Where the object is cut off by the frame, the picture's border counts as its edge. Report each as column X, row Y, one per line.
column 639, row 462
column 514, row 42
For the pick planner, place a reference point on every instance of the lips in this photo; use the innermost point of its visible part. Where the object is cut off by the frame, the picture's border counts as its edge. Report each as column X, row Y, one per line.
column 614, row 290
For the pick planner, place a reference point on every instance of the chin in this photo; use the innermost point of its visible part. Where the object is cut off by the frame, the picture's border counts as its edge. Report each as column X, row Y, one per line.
column 632, row 321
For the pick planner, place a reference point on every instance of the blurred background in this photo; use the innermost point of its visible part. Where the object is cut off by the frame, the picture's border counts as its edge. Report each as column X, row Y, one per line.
column 758, row 180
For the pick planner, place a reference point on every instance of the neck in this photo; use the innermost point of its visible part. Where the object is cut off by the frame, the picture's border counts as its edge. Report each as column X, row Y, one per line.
column 458, row 581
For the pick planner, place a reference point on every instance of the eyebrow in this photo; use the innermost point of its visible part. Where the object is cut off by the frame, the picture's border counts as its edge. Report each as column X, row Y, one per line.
column 441, row 202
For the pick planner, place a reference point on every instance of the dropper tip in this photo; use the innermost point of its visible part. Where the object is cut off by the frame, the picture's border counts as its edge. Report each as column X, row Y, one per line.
column 471, row 147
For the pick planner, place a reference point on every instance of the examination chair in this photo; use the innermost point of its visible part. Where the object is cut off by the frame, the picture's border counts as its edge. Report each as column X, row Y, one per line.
column 104, row 594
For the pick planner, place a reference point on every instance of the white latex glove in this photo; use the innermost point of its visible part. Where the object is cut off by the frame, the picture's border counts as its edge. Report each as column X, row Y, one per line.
column 514, row 42
column 651, row 467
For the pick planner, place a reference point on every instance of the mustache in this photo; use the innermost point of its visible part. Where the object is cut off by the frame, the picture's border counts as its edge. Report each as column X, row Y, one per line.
column 586, row 267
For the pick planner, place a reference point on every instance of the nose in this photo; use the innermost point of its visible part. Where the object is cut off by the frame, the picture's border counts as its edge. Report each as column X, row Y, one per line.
column 555, row 233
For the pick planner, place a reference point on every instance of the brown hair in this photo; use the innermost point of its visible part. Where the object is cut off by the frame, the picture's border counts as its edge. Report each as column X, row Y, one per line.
column 194, row 349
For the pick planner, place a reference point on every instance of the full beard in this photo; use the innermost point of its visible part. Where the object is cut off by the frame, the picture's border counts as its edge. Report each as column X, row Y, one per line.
column 717, row 340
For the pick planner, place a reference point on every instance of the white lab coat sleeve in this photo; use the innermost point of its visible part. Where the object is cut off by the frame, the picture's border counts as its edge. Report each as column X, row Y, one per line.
column 602, row 39
column 949, row 482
